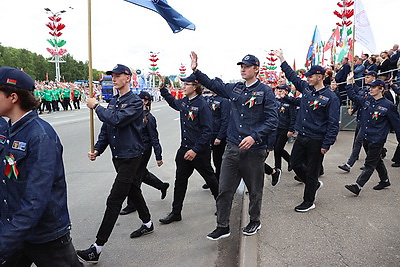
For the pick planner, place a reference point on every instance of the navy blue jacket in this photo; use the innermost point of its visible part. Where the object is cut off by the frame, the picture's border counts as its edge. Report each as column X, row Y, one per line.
column 122, row 126
column 254, row 110
column 33, row 205
column 286, row 115
column 150, row 136
column 318, row 117
column 195, row 118
column 220, row 113
column 377, row 117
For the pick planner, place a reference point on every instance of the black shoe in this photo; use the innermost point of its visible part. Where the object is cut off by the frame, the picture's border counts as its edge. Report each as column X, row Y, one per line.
column 276, row 177
column 344, row 167
column 205, row 186
column 252, row 228
column 381, row 185
column 321, row 172
column 172, row 217
column 164, row 190
column 304, row 207
column 88, row 255
column 127, row 210
column 218, row 233
column 297, row 179
column 396, row 164
column 353, row 188
column 143, row 230
column 362, row 168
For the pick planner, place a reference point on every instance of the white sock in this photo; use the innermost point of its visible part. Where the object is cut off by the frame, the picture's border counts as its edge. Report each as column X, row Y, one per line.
column 98, row 248
column 148, row 224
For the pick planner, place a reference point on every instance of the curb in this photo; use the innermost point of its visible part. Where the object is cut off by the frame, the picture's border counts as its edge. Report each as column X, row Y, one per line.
column 248, row 245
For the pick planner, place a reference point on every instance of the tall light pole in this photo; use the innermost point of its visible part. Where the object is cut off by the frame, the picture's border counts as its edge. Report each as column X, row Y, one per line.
column 57, row 52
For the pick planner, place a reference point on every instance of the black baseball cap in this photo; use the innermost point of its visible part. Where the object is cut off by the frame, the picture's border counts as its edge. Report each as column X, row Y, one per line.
column 190, row 79
column 119, row 68
column 316, row 69
column 17, row 78
column 250, row 60
column 377, row 82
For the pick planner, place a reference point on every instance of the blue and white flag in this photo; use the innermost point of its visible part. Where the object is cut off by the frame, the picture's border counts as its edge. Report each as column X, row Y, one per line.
column 175, row 20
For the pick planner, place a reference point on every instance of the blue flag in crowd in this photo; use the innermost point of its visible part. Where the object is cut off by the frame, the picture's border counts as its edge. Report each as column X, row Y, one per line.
column 175, row 20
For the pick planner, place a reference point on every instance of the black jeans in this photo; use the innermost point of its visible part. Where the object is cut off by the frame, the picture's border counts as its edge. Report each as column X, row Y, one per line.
column 306, row 162
column 59, row 252
column 217, row 152
column 126, row 178
column 144, row 176
column 396, row 155
column 279, row 149
column 373, row 161
column 185, row 168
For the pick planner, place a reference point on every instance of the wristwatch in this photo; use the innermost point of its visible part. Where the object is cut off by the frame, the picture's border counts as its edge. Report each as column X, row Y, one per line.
column 95, row 106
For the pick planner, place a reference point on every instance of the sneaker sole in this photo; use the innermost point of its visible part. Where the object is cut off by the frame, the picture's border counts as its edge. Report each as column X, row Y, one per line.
column 85, row 261
column 220, row 237
column 305, row 210
column 343, row 169
column 253, row 233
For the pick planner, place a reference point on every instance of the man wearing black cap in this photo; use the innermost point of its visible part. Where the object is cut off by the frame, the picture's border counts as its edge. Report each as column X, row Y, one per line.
column 34, row 220
column 194, row 152
column 317, row 124
column 254, row 117
column 378, row 117
column 357, row 142
column 121, row 130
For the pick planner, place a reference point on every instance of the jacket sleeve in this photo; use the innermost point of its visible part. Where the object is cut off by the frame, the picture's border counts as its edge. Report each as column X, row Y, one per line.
column 292, row 76
column 351, row 90
column 155, row 142
column 332, row 129
column 123, row 116
column 36, row 195
column 216, row 85
column 203, row 141
column 225, row 112
column 102, row 140
column 172, row 102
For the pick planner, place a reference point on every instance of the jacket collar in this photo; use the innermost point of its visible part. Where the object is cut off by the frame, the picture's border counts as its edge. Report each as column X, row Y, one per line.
column 21, row 123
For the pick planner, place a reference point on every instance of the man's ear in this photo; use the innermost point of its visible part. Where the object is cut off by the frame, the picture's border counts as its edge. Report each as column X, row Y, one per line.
column 14, row 97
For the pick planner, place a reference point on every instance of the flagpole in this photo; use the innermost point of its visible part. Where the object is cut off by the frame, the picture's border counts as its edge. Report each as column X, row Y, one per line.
column 91, row 120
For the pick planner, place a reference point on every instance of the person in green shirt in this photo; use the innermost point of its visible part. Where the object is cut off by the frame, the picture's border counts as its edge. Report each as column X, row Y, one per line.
column 67, row 98
column 47, row 99
column 77, row 98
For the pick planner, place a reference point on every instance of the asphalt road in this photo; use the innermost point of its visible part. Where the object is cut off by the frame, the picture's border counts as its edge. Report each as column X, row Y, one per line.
column 181, row 243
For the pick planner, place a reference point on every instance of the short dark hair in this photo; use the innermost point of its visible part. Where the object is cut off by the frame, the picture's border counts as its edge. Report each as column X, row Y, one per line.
column 27, row 99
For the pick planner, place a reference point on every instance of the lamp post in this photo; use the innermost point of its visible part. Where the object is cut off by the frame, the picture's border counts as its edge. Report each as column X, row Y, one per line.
column 57, row 52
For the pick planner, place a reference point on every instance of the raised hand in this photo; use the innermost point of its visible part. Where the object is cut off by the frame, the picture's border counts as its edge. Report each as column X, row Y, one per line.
column 193, row 57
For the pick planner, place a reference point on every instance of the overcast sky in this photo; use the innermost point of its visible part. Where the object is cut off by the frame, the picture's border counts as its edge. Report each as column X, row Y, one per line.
column 225, row 31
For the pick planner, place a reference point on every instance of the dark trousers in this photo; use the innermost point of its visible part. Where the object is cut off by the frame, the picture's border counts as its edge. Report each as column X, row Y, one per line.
column 48, row 105
column 54, row 104
column 76, row 104
column 396, row 156
column 217, row 152
column 59, row 252
column 67, row 103
column 306, row 162
column 240, row 164
column 144, row 176
column 126, row 178
column 184, row 169
column 357, row 144
column 373, row 161
column 279, row 148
